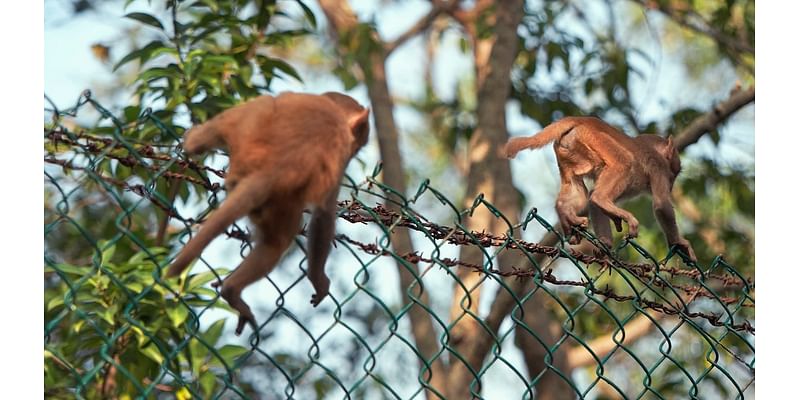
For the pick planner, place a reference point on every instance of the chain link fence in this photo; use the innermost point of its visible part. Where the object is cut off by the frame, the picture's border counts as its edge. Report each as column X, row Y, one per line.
column 120, row 198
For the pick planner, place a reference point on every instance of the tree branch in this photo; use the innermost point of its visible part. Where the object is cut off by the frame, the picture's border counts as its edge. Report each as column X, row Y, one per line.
column 420, row 26
column 708, row 121
column 695, row 22
column 580, row 356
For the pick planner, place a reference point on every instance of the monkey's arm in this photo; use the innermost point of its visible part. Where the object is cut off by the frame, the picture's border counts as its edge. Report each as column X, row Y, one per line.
column 320, row 235
column 662, row 207
column 203, row 138
column 249, row 194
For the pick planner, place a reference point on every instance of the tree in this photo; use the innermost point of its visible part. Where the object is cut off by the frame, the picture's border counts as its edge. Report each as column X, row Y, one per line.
column 546, row 60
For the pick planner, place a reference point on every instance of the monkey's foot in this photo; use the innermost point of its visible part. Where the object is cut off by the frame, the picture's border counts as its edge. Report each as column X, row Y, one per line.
column 617, row 224
column 684, row 246
column 234, row 299
column 321, row 286
column 604, row 261
column 633, row 228
column 581, row 222
column 569, row 223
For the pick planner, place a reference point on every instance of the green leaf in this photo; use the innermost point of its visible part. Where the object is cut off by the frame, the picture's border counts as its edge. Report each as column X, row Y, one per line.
column 152, row 352
column 177, row 315
column 207, row 382
column 132, row 112
column 143, row 54
column 214, row 332
column 211, row 4
column 70, row 269
column 348, row 79
column 146, row 19
column 158, row 73
column 229, row 352
column 195, row 281
column 108, row 254
column 207, row 292
column 108, row 314
column 274, row 63
column 55, row 302
column 220, row 59
column 309, row 14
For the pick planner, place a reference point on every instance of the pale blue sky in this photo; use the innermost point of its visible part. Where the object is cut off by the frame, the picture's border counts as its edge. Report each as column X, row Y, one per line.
column 70, row 68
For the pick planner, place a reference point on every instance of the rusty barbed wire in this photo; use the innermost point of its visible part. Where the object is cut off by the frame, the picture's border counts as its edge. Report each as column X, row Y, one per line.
column 547, row 276
column 458, row 237
column 97, row 145
column 357, row 213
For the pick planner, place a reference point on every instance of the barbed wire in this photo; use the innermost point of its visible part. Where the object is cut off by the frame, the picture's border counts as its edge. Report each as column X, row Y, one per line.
column 358, row 213
column 710, row 306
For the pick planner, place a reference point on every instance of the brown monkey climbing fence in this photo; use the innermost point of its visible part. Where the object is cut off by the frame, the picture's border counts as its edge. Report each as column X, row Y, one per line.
column 119, row 201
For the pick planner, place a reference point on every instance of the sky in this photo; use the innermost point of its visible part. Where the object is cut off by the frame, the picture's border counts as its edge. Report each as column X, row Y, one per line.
column 69, row 68
column 24, row 50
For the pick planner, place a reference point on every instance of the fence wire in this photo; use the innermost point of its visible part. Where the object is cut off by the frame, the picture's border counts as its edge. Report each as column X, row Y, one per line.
column 114, row 328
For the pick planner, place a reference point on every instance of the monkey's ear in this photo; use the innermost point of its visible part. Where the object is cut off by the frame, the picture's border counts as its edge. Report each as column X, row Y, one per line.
column 671, row 154
column 666, row 148
column 359, row 127
column 359, row 118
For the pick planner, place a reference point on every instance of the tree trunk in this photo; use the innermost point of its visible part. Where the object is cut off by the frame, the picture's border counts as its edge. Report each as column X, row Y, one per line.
column 490, row 175
column 342, row 20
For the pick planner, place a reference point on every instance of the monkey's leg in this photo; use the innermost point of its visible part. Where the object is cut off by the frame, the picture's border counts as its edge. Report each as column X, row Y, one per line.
column 276, row 223
column 571, row 201
column 321, row 232
column 609, row 186
column 261, row 260
column 662, row 208
column 249, row 193
column 600, row 223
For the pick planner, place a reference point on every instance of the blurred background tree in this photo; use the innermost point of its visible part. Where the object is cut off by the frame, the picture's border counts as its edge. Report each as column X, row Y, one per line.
column 448, row 82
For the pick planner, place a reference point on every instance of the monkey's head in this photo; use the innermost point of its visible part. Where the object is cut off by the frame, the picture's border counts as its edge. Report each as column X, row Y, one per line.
column 357, row 118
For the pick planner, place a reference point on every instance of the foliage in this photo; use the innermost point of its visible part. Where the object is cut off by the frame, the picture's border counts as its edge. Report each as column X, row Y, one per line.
column 114, row 325
column 114, row 328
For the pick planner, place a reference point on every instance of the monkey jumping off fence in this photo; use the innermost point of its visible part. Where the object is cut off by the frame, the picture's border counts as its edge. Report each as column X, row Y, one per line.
column 286, row 153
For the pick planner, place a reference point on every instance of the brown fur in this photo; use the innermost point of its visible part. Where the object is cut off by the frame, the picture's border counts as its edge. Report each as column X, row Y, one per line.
column 286, row 153
column 621, row 166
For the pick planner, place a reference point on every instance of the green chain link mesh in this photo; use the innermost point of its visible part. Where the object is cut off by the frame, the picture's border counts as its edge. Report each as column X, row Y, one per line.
column 115, row 328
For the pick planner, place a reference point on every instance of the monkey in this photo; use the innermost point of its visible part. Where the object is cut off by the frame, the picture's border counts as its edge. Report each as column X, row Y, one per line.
column 621, row 167
column 286, row 152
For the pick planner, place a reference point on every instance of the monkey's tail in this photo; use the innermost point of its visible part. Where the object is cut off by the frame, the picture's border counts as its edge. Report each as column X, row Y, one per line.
column 249, row 193
column 549, row 134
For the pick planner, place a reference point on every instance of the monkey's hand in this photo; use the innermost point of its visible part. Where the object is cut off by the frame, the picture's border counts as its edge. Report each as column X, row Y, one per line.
column 234, row 299
column 684, row 246
column 633, row 228
column 576, row 222
column 321, row 285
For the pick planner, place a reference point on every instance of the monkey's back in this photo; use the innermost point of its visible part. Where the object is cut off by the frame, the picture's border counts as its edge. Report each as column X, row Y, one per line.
column 303, row 139
column 593, row 146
